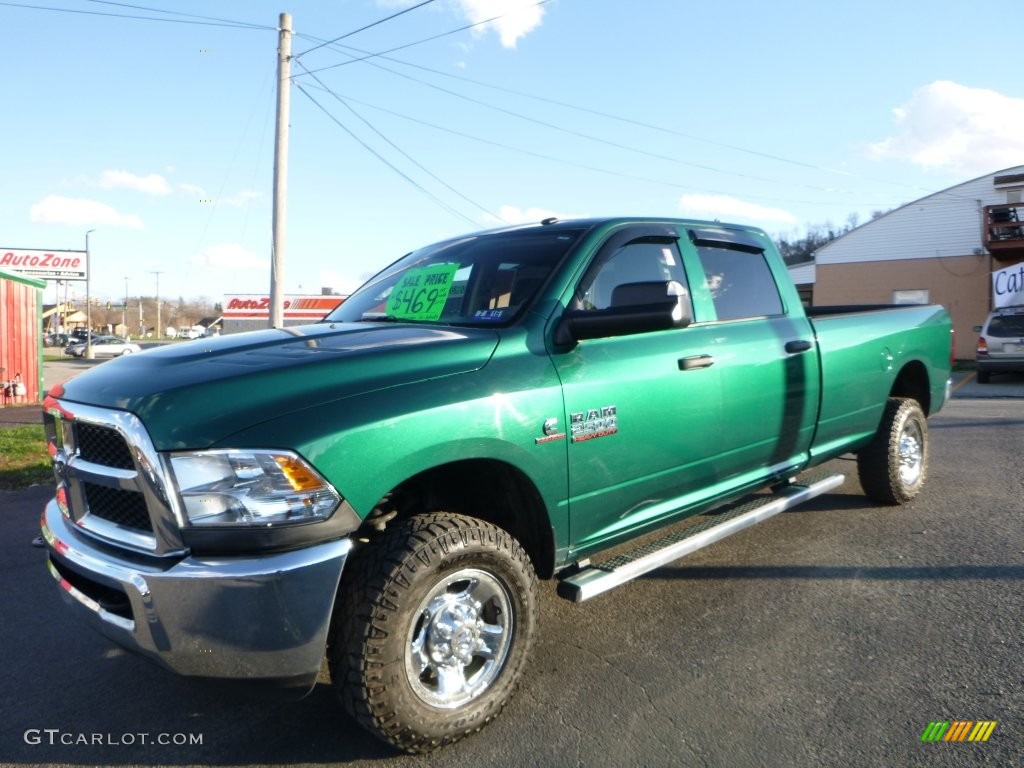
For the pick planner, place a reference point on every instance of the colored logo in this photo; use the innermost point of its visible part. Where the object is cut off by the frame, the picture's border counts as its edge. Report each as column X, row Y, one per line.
column 958, row 730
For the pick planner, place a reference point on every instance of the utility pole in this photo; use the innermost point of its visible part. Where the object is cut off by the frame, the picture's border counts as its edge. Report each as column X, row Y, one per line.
column 284, row 73
column 88, row 301
column 124, row 311
column 154, row 272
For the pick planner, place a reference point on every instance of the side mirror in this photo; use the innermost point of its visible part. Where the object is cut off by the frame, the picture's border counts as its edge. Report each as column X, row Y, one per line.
column 635, row 308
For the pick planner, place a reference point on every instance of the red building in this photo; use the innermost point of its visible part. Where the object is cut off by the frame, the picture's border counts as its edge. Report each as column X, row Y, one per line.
column 21, row 340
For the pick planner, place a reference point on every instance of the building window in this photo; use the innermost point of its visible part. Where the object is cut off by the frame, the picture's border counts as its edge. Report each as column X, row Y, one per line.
column 914, row 296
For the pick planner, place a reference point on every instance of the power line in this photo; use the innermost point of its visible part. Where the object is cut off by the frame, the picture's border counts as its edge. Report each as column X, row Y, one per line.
column 402, row 152
column 573, row 164
column 387, row 162
column 181, row 13
column 236, row 25
column 364, row 56
column 580, row 134
column 425, row 40
column 599, row 113
column 363, row 29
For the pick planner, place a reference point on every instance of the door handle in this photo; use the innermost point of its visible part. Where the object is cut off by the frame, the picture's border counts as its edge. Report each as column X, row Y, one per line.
column 695, row 362
column 800, row 345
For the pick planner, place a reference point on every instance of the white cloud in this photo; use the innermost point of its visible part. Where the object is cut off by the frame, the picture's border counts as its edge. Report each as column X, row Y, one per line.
column 229, row 256
column 511, row 214
column 242, row 198
column 732, row 208
column 518, row 17
column 153, row 184
column 78, row 212
column 192, row 190
column 945, row 125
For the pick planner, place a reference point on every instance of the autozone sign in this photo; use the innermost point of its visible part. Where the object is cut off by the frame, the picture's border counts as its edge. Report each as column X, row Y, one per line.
column 45, row 265
column 254, row 305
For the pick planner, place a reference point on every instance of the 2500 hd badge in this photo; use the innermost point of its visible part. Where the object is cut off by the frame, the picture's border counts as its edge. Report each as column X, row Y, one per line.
column 597, row 422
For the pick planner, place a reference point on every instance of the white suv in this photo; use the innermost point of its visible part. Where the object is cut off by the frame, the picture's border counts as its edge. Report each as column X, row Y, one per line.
column 1001, row 343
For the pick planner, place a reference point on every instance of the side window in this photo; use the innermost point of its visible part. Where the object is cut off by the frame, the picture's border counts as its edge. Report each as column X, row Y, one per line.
column 740, row 283
column 636, row 262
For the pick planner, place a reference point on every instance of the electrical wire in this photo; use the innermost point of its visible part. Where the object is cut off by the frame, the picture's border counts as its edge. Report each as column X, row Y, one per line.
column 363, row 29
column 235, row 25
column 426, row 39
column 219, row 196
column 387, row 162
column 402, row 152
column 582, row 135
column 608, row 115
column 365, row 56
column 181, row 13
column 573, row 164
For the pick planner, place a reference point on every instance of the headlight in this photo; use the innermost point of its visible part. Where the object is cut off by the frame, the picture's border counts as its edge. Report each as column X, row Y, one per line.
column 244, row 488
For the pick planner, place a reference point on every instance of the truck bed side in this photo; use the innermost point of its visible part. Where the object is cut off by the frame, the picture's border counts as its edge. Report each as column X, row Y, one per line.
column 869, row 354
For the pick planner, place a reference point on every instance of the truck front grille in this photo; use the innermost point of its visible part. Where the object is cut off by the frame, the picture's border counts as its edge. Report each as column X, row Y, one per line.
column 102, row 445
column 127, row 508
column 111, row 481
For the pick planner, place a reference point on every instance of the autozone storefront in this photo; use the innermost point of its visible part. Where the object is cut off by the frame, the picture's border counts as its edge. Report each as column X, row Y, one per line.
column 251, row 311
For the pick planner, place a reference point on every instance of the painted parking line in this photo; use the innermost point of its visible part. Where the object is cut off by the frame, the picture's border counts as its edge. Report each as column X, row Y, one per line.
column 967, row 378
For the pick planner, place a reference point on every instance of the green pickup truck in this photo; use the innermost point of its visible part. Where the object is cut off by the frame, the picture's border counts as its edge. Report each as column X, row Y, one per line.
column 386, row 487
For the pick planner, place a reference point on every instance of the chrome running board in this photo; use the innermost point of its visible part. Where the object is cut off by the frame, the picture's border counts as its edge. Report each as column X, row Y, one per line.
column 601, row 577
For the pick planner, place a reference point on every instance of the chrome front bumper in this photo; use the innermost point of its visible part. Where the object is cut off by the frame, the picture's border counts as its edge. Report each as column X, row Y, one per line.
column 260, row 619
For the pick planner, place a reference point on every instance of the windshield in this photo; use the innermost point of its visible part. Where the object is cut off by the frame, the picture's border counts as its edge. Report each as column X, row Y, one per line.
column 484, row 279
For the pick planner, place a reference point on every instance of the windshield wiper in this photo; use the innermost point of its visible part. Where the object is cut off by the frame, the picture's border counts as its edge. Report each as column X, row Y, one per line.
column 381, row 317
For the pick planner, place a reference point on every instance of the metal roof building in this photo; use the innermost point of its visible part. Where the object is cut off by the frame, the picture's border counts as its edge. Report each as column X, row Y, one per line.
column 941, row 249
column 21, row 338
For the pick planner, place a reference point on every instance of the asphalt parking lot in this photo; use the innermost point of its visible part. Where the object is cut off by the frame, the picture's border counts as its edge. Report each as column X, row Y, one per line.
column 831, row 635
column 965, row 385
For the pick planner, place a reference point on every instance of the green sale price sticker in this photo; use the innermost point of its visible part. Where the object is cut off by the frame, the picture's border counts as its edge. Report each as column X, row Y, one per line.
column 422, row 292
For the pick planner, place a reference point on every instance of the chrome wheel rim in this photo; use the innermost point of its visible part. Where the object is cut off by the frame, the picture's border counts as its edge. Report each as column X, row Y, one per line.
column 459, row 638
column 911, row 453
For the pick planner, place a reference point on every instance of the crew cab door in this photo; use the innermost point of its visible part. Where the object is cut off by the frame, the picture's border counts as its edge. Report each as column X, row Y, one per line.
column 643, row 412
column 764, row 351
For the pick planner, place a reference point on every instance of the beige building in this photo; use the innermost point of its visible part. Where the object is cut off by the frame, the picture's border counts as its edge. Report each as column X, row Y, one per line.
column 941, row 249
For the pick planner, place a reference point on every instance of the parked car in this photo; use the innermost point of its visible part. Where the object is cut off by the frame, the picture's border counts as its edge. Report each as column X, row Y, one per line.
column 58, row 340
column 1001, row 343
column 104, row 346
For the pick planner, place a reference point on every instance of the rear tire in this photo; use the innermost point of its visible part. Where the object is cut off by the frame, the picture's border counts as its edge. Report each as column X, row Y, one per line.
column 892, row 467
column 984, row 377
column 433, row 627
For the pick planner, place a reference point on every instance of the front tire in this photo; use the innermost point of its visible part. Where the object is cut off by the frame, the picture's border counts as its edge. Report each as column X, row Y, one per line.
column 892, row 467
column 433, row 628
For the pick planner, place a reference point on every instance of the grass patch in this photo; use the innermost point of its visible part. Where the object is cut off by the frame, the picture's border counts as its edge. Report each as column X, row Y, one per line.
column 23, row 457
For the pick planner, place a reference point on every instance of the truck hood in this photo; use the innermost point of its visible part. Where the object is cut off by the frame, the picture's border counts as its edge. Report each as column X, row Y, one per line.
column 192, row 394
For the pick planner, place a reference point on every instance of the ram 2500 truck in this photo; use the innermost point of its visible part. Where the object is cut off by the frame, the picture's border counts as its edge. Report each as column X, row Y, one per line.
column 385, row 488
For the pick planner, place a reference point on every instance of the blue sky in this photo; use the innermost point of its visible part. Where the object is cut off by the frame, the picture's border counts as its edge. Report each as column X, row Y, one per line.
column 160, row 135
